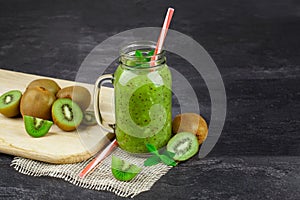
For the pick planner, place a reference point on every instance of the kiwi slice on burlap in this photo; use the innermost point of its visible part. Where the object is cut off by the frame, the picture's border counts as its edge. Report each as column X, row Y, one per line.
column 66, row 114
column 184, row 145
column 123, row 170
column 10, row 103
column 36, row 127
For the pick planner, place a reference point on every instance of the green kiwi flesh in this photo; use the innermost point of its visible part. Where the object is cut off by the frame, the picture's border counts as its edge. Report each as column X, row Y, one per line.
column 89, row 118
column 66, row 114
column 10, row 103
column 184, row 145
column 36, row 127
column 123, row 170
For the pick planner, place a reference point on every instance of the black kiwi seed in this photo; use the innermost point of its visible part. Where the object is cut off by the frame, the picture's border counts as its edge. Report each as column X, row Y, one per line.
column 37, row 124
column 8, row 99
column 182, row 151
column 67, row 112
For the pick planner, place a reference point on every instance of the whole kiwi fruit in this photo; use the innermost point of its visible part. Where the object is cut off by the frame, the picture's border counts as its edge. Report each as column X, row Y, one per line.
column 190, row 122
column 78, row 94
column 37, row 102
column 48, row 84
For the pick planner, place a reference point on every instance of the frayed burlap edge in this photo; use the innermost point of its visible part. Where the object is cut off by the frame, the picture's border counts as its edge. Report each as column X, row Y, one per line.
column 101, row 178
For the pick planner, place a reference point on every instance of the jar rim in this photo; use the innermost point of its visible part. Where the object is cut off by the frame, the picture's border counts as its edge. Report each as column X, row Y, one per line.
column 127, row 53
column 139, row 43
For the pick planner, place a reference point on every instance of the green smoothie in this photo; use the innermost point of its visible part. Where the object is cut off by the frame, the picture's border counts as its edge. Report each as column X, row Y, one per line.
column 143, row 100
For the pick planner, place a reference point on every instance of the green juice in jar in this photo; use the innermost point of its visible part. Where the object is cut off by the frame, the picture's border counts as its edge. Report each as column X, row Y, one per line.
column 143, row 103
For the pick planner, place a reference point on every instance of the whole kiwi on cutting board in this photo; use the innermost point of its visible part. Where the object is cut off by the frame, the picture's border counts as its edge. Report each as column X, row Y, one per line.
column 48, row 84
column 10, row 103
column 37, row 102
column 78, row 94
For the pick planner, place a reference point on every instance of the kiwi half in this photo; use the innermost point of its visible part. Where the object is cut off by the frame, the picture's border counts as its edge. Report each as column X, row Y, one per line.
column 89, row 118
column 36, row 127
column 66, row 114
column 10, row 103
column 184, row 145
column 123, row 170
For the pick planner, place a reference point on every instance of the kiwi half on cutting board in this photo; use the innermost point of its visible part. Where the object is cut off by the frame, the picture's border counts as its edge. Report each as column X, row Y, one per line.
column 10, row 103
column 66, row 114
column 123, row 170
column 36, row 127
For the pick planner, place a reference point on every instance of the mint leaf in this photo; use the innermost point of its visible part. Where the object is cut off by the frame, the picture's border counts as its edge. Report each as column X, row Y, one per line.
column 169, row 154
column 140, row 58
column 153, row 160
column 166, row 157
column 167, row 161
column 138, row 54
column 150, row 53
column 152, row 149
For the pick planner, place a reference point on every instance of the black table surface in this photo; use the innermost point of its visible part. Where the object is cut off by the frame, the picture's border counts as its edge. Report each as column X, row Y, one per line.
column 256, row 46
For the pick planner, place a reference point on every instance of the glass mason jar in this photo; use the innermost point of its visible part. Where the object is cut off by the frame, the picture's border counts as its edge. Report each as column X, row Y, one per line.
column 143, row 98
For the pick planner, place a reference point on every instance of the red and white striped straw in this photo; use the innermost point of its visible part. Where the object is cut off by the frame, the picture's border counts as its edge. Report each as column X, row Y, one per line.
column 163, row 32
column 98, row 159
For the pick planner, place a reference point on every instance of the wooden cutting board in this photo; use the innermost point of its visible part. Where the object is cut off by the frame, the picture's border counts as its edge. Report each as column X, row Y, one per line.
column 57, row 146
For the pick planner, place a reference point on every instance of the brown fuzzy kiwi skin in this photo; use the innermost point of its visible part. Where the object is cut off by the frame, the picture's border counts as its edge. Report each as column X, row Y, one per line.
column 48, row 84
column 63, row 127
column 191, row 122
column 37, row 102
column 78, row 94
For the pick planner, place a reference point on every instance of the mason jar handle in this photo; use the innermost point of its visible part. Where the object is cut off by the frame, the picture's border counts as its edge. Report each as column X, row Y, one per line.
column 107, row 78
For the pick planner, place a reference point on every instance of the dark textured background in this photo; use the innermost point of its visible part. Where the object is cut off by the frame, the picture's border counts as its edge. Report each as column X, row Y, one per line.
column 256, row 46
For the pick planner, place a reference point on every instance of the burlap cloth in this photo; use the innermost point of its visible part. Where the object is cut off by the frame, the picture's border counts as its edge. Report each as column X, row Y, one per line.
column 101, row 178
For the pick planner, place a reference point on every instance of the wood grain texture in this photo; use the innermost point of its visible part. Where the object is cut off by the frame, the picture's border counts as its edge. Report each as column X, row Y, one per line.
column 57, row 146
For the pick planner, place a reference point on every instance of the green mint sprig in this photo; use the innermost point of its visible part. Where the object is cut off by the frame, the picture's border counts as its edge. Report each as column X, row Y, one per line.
column 166, row 157
column 151, row 53
column 138, row 54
